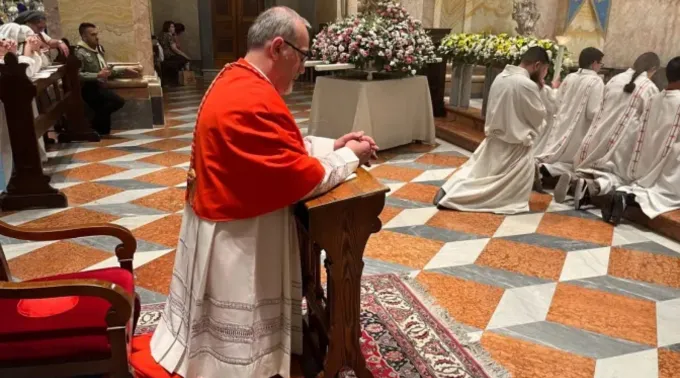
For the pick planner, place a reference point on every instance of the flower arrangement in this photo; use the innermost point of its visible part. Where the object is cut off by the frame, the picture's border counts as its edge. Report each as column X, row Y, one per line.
column 10, row 9
column 387, row 37
column 494, row 50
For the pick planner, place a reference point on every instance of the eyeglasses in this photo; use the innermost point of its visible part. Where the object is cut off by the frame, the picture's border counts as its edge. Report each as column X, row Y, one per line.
column 305, row 55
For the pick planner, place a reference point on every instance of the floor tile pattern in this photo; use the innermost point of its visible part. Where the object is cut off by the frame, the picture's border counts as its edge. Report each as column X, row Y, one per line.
column 551, row 293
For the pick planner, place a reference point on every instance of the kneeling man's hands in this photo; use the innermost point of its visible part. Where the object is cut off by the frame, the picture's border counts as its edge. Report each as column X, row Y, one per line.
column 362, row 149
column 359, row 137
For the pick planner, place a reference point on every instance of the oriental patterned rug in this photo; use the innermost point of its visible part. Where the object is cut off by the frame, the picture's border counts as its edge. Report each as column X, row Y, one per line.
column 400, row 337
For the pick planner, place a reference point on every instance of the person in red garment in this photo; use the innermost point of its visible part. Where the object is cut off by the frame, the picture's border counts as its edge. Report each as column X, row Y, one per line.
column 234, row 304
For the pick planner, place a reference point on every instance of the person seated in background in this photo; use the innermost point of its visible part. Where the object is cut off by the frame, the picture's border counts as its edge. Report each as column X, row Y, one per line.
column 579, row 98
column 179, row 30
column 655, row 159
column 625, row 100
column 175, row 59
column 94, row 73
column 498, row 176
column 33, row 63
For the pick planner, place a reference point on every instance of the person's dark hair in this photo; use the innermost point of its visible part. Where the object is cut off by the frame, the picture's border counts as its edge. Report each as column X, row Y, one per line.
column 179, row 28
column 84, row 26
column 588, row 56
column 167, row 25
column 645, row 62
column 673, row 70
column 535, row 54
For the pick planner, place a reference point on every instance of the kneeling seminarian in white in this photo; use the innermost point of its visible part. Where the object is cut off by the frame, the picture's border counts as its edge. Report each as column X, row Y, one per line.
column 498, row 177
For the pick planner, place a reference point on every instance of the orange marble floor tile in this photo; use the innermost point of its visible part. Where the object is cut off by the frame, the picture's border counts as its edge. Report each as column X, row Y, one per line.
column 164, row 231
column 669, row 363
column 165, row 177
column 605, row 313
column 166, row 133
column 166, row 144
column 157, row 274
column 524, row 359
column 403, row 249
column 644, row 266
column 88, row 192
column 170, row 200
column 442, row 160
column 563, row 226
column 173, row 122
column 468, row 302
column 483, row 224
column 91, row 171
column 530, row 260
column 76, row 216
column 395, row 173
column 99, row 154
column 539, row 201
column 167, row 159
column 111, row 140
column 58, row 258
column 389, row 213
column 416, row 192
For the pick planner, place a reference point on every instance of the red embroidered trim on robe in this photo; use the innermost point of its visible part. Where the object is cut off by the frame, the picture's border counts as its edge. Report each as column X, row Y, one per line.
column 248, row 156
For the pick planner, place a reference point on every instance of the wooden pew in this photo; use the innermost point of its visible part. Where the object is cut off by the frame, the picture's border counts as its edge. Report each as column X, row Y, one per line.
column 339, row 222
column 29, row 187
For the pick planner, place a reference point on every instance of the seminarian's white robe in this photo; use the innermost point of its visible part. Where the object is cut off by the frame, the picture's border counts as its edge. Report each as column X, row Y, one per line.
column 499, row 175
column 6, row 159
column 620, row 113
column 550, row 102
column 237, row 288
column 643, row 147
column 580, row 98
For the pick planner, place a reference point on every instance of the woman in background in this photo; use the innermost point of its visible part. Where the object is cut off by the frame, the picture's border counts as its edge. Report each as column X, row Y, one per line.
column 174, row 58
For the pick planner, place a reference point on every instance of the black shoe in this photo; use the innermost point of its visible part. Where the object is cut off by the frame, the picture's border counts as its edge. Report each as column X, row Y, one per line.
column 438, row 197
column 607, row 207
column 619, row 208
column 580, row 193
column 538, row 181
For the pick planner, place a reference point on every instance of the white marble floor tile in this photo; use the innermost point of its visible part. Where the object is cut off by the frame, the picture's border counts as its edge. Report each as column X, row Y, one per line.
column 15, row 250
column 132, row 223
column 523, row 305
column 64, row 185
column 129, row 174
column 433, row 174
column 554, row 206
column 394, row 187
column 448, row 147
column 585, row 264
column 183, row 149
column 519, row 225
column 635, row 365
column 668, row 322
column 412, row 217
column 458, row 253
column 26, row 216
column 139, row 260
column 132, row 132
column 136, row 142
column 63, row 167
column 628, row 234
column 124, row 197
column 69, row 151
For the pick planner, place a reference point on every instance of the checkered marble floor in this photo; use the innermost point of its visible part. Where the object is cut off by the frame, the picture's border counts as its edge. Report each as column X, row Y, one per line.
column 552, row 293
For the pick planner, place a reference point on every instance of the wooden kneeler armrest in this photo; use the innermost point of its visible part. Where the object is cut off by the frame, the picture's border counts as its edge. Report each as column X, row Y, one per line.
column 124, row 251
column 121, row 301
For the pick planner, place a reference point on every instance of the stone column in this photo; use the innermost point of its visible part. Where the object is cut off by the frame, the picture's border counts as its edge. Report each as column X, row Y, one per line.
column 205, row 24
column 53, row 18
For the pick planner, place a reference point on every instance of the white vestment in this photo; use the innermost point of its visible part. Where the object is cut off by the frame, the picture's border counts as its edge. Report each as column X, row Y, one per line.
column 580, row 98
column 234, row 308
column 6, row 159
column 620, row 112
column 642, row 147
column 549, row 97
column 498, row 176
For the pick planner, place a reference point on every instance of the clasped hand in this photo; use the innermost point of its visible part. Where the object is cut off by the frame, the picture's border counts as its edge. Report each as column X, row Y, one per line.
column 363, row 146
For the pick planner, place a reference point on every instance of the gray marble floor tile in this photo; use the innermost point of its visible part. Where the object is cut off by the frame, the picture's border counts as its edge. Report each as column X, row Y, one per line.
column 578, row 214
column 388, row 181
column 651, row 247
column 674, row 347
column 572, row 339
column 109, row 243
column 405, row 158
column 62, row 160
column 135, row 149
column 435, row 233
column 57, row 178
column 124, row 209
column 134, row 165
column 405, row 204
column 437, row 183
column 130, row 184
column 149, row 297
column 552, row 242
column 139, row 136
column 491, row 276
column 414, row 165
column 372, row 266
column 450, row 153
column 635, row 289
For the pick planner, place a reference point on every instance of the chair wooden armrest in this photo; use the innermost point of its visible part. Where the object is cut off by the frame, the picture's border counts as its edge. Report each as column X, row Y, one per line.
column 121, row 301
column 124, row 251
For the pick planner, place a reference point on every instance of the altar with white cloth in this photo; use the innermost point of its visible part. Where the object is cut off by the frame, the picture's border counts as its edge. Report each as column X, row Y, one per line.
column 394, row 112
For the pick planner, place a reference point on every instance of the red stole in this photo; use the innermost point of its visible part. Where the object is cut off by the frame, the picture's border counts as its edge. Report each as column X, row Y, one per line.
column 248, row 156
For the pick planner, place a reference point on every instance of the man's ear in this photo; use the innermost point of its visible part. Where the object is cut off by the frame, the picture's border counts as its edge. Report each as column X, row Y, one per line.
column 276, row 47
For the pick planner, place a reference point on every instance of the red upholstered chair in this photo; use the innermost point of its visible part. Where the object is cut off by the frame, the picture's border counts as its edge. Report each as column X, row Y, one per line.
column 72, row 324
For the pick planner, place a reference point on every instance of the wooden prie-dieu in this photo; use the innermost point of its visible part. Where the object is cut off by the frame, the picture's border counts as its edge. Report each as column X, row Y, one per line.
column 340, row 223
